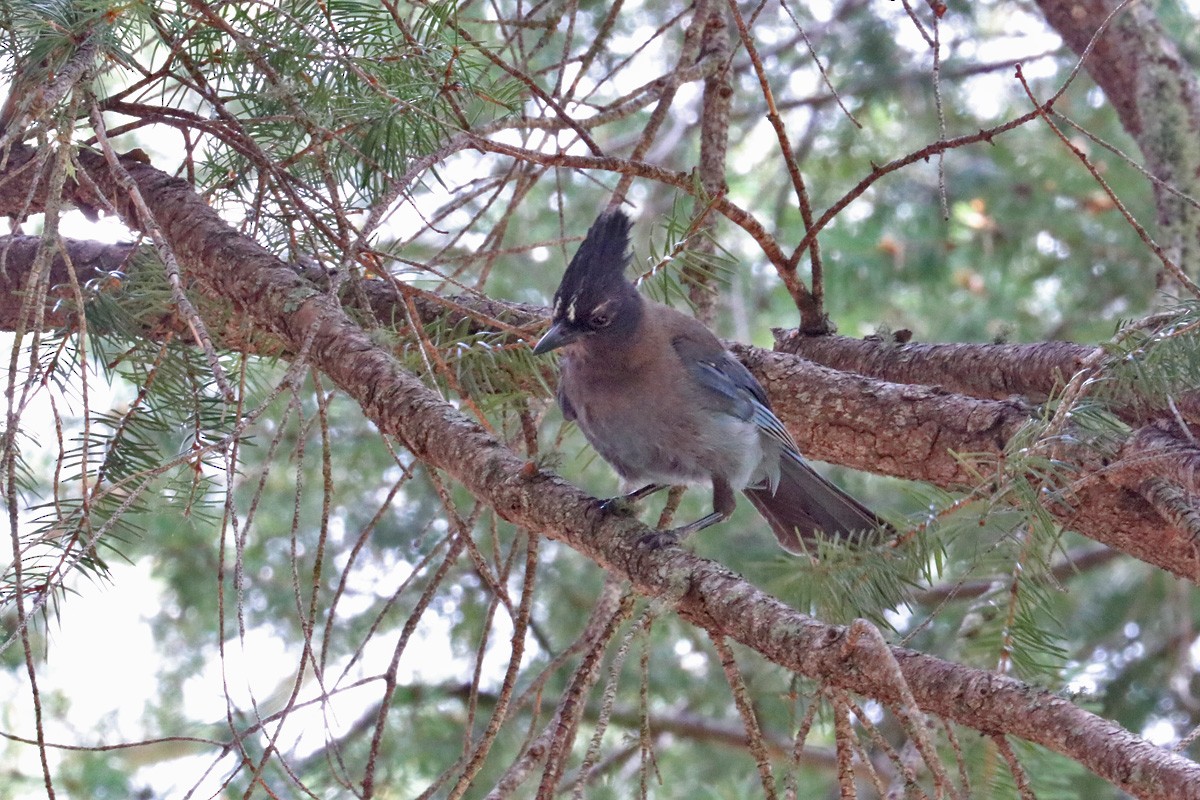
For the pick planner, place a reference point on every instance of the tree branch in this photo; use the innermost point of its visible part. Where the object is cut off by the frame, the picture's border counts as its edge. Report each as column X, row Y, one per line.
column 910, row 431
column 266, row 292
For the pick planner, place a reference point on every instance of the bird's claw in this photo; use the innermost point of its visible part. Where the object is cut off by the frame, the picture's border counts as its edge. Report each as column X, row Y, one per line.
column 618, row 505
column 657, row 540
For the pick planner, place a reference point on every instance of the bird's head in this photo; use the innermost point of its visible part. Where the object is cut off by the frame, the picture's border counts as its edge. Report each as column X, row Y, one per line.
column 595, row 301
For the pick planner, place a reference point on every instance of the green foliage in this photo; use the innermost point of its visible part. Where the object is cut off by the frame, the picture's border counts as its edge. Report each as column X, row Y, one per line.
column 118, row 469
column 44, row 35
column 485, row 365
column 348, row 94
column 1148, row 367
column 842, row 581
column 680, row 263
column 288, row 524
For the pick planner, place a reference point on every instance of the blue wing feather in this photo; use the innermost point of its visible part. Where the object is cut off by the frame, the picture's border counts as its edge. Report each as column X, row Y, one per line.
column 728, row 379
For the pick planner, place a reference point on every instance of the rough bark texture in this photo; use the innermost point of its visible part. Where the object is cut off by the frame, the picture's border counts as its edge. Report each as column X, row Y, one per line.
column 996, row 371
column 905, row 430
column 714, row 144
column 17, row 256
column 268, row 293
column 1034, row 372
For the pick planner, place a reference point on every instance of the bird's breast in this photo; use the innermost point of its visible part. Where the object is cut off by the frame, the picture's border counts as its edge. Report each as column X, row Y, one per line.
column 652, row 433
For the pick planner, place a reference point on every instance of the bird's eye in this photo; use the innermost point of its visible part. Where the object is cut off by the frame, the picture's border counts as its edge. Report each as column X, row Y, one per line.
column 600, row 320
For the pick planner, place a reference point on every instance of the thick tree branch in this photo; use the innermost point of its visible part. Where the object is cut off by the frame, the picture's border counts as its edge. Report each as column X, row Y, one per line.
column 268, row 293
column 995, row 371
column 914, row 432
column 1034, row 372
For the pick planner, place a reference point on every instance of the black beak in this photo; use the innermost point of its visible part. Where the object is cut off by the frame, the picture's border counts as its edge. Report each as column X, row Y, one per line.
column 556, row 337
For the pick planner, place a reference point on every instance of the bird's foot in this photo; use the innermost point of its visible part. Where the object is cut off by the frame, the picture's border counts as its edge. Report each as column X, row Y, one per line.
column 657, row 540
column 621, row 504
column 626, row 504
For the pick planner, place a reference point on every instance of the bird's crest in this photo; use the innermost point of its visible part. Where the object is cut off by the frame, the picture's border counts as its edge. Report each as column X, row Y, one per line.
column 597, row 269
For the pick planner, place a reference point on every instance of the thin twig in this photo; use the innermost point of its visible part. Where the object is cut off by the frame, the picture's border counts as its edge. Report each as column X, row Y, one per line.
column 151, row 228
column 864, row 634
column 1014, row 767
column 809, row 302
column 754, row 737
column 1176, row 271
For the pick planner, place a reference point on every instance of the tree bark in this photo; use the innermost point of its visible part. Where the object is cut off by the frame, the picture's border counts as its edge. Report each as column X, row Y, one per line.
column 266, row 293
column 911, row 431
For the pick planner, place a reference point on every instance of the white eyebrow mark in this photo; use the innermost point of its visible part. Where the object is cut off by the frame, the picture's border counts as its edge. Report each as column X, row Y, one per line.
column 557, row 307
column 571, row 311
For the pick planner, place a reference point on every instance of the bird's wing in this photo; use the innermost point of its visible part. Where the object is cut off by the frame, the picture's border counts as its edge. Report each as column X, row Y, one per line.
column 731, row 388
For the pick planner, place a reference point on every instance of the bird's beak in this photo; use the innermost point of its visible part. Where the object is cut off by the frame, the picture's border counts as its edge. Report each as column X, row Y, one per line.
column 556, row 337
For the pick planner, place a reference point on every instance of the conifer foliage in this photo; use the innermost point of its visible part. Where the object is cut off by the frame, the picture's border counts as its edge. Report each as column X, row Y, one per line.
column 268, row 291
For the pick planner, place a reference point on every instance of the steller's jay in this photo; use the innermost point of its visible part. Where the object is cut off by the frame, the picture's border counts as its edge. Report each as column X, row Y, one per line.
column 662, row 401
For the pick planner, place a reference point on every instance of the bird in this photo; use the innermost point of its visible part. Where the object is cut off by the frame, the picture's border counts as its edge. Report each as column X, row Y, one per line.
column 663, row 401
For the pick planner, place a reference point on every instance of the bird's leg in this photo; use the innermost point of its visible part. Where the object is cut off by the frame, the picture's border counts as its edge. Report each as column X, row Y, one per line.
column 724, row 501
column 622, row 503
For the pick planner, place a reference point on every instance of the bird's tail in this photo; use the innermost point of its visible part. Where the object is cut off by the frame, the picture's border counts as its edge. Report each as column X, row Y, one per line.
column 804, row 505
